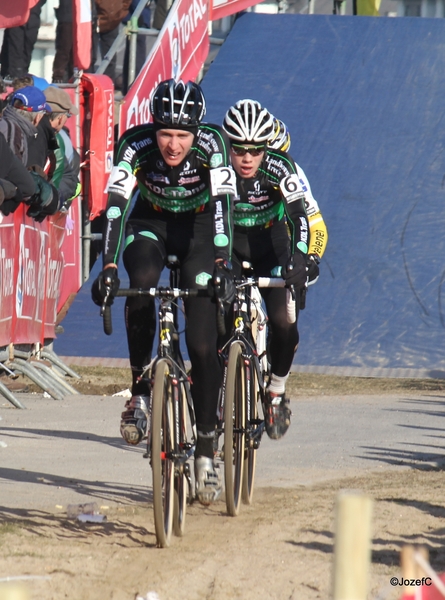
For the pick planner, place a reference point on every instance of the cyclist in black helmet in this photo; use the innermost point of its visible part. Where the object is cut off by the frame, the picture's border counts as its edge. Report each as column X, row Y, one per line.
column 271, row 200
column 182, row 206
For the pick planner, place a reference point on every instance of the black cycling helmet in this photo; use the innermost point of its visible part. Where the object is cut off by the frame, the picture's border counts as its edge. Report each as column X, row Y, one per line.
column 248, row 122
column 178, row 105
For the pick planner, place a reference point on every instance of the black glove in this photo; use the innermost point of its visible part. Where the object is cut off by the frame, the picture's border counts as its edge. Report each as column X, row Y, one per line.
column 312, row 269
column 295, row 270
column 221, row 285
column 107, row 281
column 45, row 200
column 7, row 190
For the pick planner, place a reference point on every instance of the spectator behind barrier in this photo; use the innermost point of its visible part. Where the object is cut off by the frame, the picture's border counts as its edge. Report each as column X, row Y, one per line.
column 144, row 21
column 16, row 183
column 18, row 44
column 25, row 124
column 24, row 112
column 66, row 168
column 109, row 16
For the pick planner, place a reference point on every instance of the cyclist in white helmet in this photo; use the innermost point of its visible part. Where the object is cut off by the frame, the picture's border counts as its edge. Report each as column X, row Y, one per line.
column 281, row 140
column 271, row 231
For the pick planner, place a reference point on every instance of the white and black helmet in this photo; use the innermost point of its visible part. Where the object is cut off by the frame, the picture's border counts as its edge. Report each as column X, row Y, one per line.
column 248, row 122
column 178, row 104
column 280, row 139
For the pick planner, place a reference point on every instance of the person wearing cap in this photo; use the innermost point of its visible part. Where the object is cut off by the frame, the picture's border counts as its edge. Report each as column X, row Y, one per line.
column 16, row 182
column 180, row 209
column 65, row 167
column 23, row 119
column 26, row 108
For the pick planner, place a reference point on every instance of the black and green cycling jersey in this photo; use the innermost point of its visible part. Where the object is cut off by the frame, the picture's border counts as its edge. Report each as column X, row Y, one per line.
column 171, row 190
column 275, row 191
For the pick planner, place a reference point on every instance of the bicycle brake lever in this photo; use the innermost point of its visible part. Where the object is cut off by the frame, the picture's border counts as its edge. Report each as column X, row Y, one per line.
column 105, row 302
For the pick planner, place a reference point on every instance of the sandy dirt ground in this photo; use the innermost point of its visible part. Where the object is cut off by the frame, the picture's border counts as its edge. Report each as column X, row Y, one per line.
column 280, row 547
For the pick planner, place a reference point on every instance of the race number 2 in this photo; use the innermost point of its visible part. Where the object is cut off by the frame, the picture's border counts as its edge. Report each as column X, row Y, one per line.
column 121, row 182
column 291, row 188
column 223, row 181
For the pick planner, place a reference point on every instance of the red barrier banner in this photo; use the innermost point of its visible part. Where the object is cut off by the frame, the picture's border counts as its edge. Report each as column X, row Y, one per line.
column 14, row 13
column 71, row 251
column 8, row 264
column 82, row 34
column 54, row 269
column 97, row 117
column 223, row 8
column 32, row 247
column 180, row 51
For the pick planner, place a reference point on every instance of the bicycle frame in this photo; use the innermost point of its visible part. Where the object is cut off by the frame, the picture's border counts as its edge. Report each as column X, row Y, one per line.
column 171, row 438
column 248, row 313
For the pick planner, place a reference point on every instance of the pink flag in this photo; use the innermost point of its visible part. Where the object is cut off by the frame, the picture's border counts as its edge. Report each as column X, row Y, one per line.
column 81, row 34
column 15, row 13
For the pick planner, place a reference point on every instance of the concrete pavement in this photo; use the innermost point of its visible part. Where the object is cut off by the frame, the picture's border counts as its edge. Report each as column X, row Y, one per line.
column 62, row 452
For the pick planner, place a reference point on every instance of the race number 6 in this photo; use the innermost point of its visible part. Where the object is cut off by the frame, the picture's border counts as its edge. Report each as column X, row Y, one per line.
column 223, row 181
column 291, row 188
column 121, row 182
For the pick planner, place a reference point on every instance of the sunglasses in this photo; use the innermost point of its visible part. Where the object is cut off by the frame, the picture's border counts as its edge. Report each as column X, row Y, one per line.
column 243, row 150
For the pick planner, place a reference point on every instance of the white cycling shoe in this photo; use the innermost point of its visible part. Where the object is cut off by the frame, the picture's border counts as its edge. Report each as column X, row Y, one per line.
column 135, row 419
column 208, row 481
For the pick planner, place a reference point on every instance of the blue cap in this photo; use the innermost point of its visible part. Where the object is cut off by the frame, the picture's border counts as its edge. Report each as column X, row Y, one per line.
column 33, row 99
column 39, row 82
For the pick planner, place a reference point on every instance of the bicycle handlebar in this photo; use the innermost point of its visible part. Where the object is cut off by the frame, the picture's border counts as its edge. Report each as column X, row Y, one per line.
column 161, row 292
column 167, row 292
column 262, row 282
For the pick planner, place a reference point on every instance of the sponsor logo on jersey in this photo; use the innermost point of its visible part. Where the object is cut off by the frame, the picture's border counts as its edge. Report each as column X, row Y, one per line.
column 128, row 154
column 158, row 177
column 216, row 160
column 277, row 166
column 141, row 143
column 175, row 192
column 114, row 212
column 183, row 180
column 161, row 165
column 258, row 199
column 219, row 220
column 304, row 231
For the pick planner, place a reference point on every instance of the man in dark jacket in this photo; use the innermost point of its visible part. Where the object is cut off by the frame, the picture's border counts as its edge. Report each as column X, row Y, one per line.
column 65, row 160
column 25, row 116
column 16, row 182
column 109, row 16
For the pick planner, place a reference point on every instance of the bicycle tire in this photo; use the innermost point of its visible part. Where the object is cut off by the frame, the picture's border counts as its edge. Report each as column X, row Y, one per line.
column 234, row 428
column 181, row 488
column 162, row 428
column 250, row 451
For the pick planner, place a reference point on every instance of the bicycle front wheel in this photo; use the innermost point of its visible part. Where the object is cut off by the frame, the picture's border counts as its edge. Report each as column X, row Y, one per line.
column 162, row 444
column 252, row 427
column 182, row 474
column 234, row 428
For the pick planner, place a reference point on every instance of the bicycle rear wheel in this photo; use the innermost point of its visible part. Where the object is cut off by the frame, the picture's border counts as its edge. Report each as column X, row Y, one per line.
column 182, row 473
column 251, row 440
column 162, row 445
column 234, row 428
